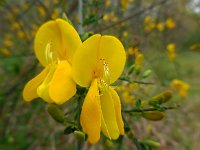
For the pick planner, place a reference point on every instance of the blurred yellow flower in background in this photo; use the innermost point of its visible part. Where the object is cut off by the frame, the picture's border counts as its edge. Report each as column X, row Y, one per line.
column 124, row 3
column 170, row 24
column 171, row 51
column 181, row 86
column 95, row 66
column 55, row 44
column 160, row 26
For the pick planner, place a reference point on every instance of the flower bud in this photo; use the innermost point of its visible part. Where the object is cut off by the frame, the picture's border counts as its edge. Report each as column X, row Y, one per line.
column 130, row 134
column 131, row 69
column 56, row 113
column 161, row 98
column 109, row 144
column 153, row 115
column 146, row 73
column 79, row 135
column 150, row 143
column 138, row 63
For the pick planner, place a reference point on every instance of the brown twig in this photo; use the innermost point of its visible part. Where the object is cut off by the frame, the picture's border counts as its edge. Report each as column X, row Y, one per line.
column 139, row 12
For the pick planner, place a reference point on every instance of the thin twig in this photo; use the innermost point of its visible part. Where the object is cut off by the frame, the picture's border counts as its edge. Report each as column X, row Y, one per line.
column 139, row 82
column 151, row 109
column 139, row 12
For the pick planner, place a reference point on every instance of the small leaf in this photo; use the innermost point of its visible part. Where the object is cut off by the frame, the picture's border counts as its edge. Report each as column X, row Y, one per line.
column 70, row 129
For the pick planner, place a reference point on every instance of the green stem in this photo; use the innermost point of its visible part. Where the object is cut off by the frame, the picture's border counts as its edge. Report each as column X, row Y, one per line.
column 80, row 102
column 139, row 82
column 151, row 109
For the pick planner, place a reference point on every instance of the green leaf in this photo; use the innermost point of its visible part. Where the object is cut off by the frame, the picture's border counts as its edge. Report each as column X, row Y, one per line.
column 70, row 129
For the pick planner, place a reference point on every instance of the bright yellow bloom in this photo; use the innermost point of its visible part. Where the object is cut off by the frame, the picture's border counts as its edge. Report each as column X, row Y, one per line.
column 55, row 44
column 170, row 24
column 97, row 63
column 181, row 86
column 171, row 51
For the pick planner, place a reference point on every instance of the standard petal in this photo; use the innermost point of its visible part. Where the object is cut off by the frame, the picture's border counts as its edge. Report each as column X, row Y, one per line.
column 85, row 60
column 90, row 118
column 30, row 89
column 109, row 123
column 117, row 104
column 112, row 50
column 62, row 86
column 59, row 37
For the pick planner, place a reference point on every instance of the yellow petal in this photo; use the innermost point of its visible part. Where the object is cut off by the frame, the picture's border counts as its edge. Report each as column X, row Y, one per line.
column 43, row 89
column 112, row 50
column 62, row 86
column 117, row 104
column 109, row 123
column 30, row 89
column 90, row 118
column 84, row 61
column 89, row 54
column 58, row 36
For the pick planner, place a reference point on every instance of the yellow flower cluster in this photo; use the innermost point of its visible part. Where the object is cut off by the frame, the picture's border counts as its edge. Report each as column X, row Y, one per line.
column 171, row 51
column 181, row 86
column 150, row 24
column 91, row 64
column 110, row 17
column 127, row 94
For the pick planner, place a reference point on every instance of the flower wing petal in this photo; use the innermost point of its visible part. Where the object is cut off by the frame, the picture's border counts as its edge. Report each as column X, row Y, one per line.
column 30, row 89
column 60, row 36
column 90, row 118
column 110, row 128
column 117, row 104
column 62, row 86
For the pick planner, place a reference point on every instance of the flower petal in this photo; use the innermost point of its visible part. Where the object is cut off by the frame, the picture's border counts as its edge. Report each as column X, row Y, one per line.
column 62, row 86
column 90, row 118
column 117, row 104
column 112, row 50
column 60, row 36
column 30, row 89
column 109, row 123
column 84, row 61
column 93, row 50
column 43, row 89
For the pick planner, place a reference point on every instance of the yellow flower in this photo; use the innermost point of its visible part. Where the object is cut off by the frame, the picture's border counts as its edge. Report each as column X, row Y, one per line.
column 41, row 11
column 124, row 3
column 181, row 86
column 160, row 27
column 5, row 52
column 171, row 51
column 55, row 44
column 55, row 13
column 97, row 63
column 170, row 24
column 8, row 43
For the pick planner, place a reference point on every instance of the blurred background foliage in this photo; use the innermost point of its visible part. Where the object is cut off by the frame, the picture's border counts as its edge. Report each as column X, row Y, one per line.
column 166, row 32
